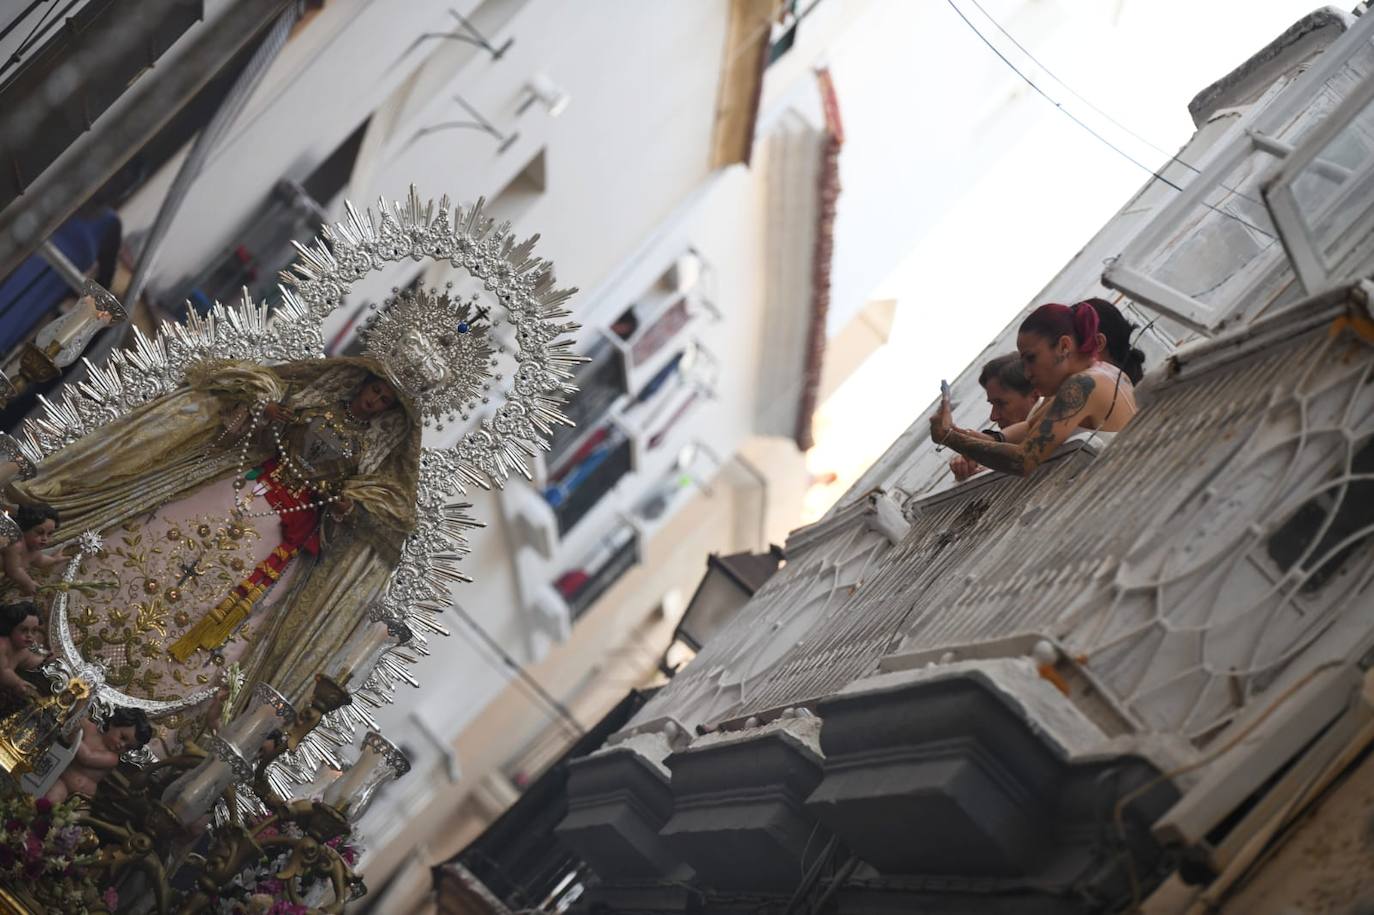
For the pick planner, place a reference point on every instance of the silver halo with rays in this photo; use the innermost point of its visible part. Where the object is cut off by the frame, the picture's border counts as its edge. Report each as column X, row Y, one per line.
column 434, row 350
column 500, row 444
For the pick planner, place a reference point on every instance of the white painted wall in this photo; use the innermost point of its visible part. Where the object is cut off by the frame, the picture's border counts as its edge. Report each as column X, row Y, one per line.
column 631, row 144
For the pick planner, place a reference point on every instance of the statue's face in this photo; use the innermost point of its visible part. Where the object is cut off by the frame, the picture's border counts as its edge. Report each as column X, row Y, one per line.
column 374, row 398
column 419, row 359
column 27, row 634
column 37, row 537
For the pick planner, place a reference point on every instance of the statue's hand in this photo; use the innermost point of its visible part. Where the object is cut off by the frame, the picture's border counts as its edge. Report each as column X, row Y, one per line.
column 235, row 418
column 341, row 508
column 279, row 413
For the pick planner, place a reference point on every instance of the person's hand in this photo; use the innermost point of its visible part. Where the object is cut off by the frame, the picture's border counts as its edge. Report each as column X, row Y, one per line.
column 941, row 423
column 963, row 467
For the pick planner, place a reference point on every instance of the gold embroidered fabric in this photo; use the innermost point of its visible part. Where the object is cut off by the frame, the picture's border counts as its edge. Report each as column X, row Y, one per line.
column 166, row 573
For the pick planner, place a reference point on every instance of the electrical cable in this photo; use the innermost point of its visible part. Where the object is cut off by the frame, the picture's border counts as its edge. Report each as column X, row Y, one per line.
column 560, row 710
column 1078, row 95
column 1085, row 126
column 40, row 30
column 14, row 23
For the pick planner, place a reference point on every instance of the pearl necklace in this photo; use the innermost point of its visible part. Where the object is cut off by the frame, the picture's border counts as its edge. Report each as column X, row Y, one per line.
column 284, row 463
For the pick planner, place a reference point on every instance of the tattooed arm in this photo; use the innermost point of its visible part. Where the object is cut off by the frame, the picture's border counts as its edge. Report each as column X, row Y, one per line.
column 1046, row 431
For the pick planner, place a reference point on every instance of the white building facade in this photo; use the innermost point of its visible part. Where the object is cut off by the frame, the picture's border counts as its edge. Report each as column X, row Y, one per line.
column 1114, row 683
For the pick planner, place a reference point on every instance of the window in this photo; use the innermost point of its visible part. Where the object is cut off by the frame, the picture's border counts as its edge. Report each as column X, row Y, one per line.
column 588, row 474
column 784, row 33
column 1320, row 198
column 613, row 556
column 1340, row 519
column 600, row 383
column 1214, row 248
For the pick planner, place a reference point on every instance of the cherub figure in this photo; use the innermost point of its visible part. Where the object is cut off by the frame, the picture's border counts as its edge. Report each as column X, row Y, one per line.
column 38, row 522
column 21, row 629
column 98, row 752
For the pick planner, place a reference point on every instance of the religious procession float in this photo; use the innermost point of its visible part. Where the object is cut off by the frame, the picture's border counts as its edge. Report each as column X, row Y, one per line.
column 252, row 544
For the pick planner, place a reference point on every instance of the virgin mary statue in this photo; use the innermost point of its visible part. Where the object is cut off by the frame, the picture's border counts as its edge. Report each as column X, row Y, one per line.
column 246, row 516
column 252, row 515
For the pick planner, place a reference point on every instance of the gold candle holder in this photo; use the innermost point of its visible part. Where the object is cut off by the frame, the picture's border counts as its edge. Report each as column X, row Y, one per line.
column 324, row 698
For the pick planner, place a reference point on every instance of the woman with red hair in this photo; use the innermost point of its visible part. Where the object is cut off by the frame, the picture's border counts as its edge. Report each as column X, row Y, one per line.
column 1059, row 346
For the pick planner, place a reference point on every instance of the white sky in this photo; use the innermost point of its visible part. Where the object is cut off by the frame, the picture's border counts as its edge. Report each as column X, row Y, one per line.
column 1007, row 219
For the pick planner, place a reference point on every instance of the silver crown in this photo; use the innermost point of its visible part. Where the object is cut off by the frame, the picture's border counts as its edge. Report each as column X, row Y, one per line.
column 434, row 350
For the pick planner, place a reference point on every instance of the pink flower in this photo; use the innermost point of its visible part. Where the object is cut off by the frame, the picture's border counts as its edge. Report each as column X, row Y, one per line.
column 43, row 804
column 110, row 897
column 286, row 907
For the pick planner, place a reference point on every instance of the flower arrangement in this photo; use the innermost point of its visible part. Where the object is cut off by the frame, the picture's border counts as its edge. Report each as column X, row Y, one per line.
column 261, row 890
column 45, row 850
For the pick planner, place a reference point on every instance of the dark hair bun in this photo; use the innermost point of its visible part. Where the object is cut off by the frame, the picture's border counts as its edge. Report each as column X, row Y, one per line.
column 1134, row 365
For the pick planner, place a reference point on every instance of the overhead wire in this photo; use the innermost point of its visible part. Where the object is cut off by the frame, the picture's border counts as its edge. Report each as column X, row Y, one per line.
column 561, row 712
column 1088, row 102
column 14, row 23
column 40, row 30
column 1089, row 129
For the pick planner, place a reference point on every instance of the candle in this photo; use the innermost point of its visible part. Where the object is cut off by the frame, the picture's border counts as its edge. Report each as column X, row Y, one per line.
column 379, row 762
column 192, row 795
column 354, row 662
column 62, row 339
column 322, row 782
column 247, row 732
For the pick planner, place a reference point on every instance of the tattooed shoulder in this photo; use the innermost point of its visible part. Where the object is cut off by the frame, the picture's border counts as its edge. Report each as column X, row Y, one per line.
column 1072, row 397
